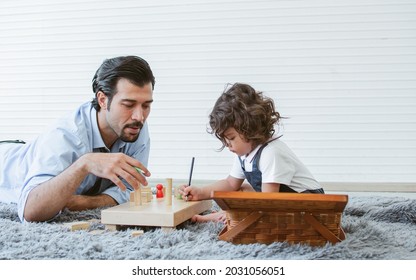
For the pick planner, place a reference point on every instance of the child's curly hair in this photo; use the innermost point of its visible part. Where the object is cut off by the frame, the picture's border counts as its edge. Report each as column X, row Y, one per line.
column 250, row 113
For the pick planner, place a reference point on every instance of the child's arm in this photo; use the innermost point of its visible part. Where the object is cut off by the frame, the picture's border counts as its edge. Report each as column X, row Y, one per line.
column 270, row 187
column 201, row 193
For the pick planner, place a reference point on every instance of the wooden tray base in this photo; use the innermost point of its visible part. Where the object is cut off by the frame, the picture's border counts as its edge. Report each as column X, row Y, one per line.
column 154, row 213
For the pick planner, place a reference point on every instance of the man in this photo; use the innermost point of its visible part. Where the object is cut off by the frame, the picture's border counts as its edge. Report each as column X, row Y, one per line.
column 87, row 159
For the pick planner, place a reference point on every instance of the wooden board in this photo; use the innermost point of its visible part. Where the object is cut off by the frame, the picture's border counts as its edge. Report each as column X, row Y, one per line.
column 281, row 202
column 154, row 213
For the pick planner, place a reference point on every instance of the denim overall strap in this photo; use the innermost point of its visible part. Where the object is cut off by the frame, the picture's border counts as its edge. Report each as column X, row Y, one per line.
column 254, row 177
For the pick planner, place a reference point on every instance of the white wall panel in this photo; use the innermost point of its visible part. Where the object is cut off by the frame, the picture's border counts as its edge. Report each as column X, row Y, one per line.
column 343, row 72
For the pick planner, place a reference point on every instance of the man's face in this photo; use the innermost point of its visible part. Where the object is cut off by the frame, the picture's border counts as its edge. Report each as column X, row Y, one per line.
column 128, row 111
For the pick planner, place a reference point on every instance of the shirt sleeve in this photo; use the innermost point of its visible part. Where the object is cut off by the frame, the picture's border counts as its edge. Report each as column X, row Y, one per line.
column 117, row 194
column 276, row 166
column 51, row 154
column 236, row 170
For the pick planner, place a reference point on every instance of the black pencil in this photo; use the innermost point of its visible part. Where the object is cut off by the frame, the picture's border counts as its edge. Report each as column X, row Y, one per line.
column 192, row 169
column 190, row 175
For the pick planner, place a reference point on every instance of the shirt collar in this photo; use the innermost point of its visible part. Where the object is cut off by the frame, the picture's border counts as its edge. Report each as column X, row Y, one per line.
column 250, row 156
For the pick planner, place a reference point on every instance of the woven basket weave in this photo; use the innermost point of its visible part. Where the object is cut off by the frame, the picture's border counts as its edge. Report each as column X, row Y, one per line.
column 312, row 219
column 283, row 226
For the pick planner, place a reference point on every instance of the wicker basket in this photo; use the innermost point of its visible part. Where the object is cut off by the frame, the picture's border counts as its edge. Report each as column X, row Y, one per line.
column 309, row 219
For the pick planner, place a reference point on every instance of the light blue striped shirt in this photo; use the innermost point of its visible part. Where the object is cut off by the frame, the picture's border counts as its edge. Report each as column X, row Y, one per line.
column 25, row 166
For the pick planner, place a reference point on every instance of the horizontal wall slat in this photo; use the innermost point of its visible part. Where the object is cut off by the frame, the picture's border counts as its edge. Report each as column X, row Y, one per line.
column 343, row 72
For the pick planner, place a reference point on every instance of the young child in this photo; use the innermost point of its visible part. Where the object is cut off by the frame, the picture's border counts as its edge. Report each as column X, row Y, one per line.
column 244, row 121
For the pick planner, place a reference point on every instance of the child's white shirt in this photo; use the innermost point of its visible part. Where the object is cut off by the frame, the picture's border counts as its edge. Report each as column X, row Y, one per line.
column 278, row 164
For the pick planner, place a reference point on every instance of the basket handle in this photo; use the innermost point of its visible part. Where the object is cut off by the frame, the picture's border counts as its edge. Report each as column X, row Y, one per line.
column 242, row 225
column 324, row 231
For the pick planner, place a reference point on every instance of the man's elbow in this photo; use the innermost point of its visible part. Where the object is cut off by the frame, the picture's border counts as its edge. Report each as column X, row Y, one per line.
column 31, row 216
column 35, row 214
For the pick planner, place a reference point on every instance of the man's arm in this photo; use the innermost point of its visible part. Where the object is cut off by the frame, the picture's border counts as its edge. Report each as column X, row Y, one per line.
column 84, row 202
column 50, row 197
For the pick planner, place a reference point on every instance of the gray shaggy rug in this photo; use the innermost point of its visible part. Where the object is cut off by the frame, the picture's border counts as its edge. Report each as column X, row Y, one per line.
column 378, row 228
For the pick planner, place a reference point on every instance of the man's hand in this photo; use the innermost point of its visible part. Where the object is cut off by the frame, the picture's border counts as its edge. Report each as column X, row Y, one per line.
column 115, row 167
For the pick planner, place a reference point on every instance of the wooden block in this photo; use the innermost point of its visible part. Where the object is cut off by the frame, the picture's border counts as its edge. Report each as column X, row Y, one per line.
column 146, row 190
column 138, row 196
column 111, row 227
column 92, row 221
column 136, row 233
column 154, row 213
column 168, row 193
column 77, row 225
column 146, row 196
column 96, row 231
column 149, row 196
column 167, row 229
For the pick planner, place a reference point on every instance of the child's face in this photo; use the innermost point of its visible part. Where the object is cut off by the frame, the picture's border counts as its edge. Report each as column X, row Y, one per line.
column 236, row 143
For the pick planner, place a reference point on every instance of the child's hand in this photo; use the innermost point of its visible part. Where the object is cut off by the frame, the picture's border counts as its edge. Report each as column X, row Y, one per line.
column 189, row 192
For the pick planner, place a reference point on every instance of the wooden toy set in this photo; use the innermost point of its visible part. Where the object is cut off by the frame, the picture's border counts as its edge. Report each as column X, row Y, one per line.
column 313, row 219
column 161, row 209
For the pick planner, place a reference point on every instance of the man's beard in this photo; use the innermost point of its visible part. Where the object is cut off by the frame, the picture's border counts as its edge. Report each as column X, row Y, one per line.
column 126, row 137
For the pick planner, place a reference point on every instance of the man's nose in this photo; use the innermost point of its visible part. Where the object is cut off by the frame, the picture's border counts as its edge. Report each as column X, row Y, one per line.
column 138, row 115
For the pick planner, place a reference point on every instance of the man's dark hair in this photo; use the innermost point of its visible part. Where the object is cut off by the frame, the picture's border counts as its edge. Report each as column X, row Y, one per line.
column 132, row 68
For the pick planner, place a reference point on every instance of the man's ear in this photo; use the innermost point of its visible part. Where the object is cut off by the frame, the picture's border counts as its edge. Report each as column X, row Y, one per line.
column 102, row 100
